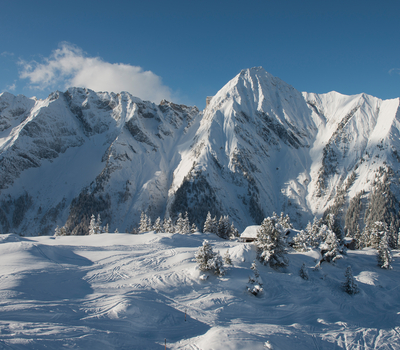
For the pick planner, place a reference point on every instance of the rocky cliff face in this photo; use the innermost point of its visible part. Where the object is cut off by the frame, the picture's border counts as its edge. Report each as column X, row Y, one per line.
column 259, row 146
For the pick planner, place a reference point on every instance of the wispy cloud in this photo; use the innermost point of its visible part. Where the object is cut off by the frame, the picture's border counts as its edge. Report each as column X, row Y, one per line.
column 6, row 54
column 11, row 87
column 394, row 71
column 70, row 66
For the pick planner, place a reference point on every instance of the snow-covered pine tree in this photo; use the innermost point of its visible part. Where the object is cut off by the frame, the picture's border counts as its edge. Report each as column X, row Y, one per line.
column 179, row 224
column 186, row 224
column 216, row 264
column 203, row 255
column 383, row 206
column 271, row 243
column 169, row 226
column 301, row 241
column 227, row 258
column 99, row 228
column 255, row 284
column 350, row 285
column 149, row 224
column 384, row 255
column 157, row 227
column 285, row 221
column 143, row 223
column 214, row 225
column 330, row 247
column 63, row 231
column 334, row 226
column 223, row 229
column 92, row 225
column 314, row 233
column 372, row 234
column 253, row 268
column 193, row 228
column 57, row 231
column 208, row 260
column 357, row 237
column 303, row 272
column 234, row 232
column 208, row 224
column 106, row 228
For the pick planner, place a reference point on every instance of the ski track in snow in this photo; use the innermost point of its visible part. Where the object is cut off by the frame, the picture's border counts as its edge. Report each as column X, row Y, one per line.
column 121, row 291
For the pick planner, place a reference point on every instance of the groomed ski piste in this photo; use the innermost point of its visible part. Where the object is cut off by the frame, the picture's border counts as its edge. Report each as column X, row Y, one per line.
column 124, row 291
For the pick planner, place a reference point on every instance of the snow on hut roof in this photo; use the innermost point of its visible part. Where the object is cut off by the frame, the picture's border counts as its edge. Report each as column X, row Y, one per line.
column 250, row 232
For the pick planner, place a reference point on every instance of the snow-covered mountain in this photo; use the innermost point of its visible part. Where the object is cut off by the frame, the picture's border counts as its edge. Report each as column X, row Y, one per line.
column 259, row 146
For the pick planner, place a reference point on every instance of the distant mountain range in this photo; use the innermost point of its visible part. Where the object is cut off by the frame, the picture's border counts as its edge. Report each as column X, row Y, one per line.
column 259, row 146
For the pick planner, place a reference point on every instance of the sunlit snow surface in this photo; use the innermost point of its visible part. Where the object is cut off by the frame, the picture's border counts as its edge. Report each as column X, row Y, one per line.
column 121, row 291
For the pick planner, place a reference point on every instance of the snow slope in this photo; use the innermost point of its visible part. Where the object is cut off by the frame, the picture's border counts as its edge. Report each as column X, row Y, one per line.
column 121, row 291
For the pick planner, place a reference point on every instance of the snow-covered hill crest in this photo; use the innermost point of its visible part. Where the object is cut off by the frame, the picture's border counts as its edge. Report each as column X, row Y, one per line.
column 259, row 146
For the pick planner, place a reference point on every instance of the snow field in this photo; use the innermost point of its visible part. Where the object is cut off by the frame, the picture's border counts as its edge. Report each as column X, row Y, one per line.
column 121, row 291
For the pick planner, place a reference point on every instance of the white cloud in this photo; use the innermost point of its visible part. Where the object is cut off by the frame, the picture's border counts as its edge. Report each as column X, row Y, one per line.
column 6, row 54
column 70, row 66
column 11, row 87
column 395, row 71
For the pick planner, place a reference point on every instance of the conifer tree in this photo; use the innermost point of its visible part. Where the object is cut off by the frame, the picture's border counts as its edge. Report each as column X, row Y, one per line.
column 384, row 255
column 271, row 243
column 255, row 284
column 234, row 232
column 203, row 255
column 285, row 221
column 92, row 225
column 330, row 248
column 186, row 224
column 99, row 228
column 149, row 225
column 223, row 229
column 303, row 272
column 157, row 227
column 193, row 228
column 301, row 241
column 143, row 223
column 207, row 260
column 57, row 231
column 208, row 224
column 168, row 226
column 227, row 258
column 350, row 285
column 180, row 224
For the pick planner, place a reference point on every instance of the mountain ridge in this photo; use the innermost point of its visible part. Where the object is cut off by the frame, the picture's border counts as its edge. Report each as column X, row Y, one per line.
column 259, row 146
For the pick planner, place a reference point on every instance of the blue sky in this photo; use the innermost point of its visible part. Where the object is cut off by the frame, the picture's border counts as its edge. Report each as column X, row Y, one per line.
column 187, row 50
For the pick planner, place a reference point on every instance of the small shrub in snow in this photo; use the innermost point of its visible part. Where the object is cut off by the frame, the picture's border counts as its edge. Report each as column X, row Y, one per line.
column 303, row 272
column 255, row 284
column 350, row 285
column 384, row 255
